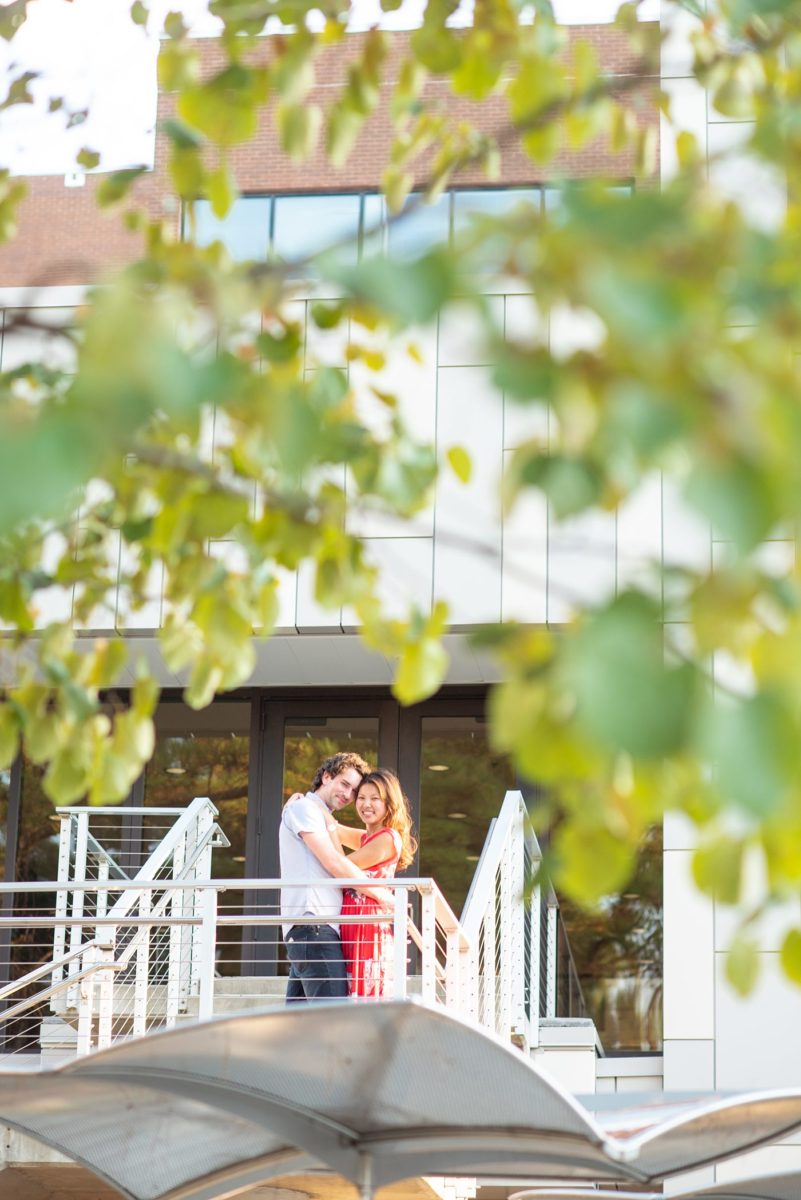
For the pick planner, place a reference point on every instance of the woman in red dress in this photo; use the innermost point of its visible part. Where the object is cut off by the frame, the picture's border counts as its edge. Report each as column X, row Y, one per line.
column 386, row 843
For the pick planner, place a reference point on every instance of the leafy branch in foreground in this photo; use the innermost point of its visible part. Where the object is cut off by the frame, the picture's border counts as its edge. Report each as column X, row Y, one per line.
column 688, row 375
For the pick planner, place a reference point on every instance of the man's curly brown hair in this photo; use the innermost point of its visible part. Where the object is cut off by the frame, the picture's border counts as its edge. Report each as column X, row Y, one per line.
column 337, row 763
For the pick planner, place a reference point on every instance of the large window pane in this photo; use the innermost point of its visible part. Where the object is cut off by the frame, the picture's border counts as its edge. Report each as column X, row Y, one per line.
column 309, row 741
column 617, row 951
column 374, row 225
column 491, row 203
column 419, row 227
column 205, row 754
column 202, row 754
column 308, row 224
column 244, row 231
column 462, row 786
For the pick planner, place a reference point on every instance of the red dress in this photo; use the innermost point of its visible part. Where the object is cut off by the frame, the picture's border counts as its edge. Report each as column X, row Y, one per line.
column 368, row 948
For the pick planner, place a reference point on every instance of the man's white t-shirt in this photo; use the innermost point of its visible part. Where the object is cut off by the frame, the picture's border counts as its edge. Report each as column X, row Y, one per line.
column 323, row 899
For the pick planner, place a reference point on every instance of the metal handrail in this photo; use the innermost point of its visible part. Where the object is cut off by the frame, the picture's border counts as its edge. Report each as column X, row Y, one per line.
column 63, row 985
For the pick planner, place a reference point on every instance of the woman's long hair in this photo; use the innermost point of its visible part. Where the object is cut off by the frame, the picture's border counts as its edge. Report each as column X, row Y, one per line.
column 397, row 815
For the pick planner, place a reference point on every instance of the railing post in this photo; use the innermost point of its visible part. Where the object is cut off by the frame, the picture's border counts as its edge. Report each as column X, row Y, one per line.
column 428, row 933
column 519, row 883
column 79, row 876
column 488, row 993
column 454, row 984
column 550, row 961
column 503, row 1021
column 62, row 897
column 200, row 871
column 105, row 1004
column 400, row 933
column 142, row 969
column 101, row 903
column 176, row 935
column 534, row 917
column 86, row 990
column 205, row 947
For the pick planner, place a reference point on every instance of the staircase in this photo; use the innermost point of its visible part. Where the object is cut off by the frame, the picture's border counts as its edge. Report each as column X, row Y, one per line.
column 134, row 947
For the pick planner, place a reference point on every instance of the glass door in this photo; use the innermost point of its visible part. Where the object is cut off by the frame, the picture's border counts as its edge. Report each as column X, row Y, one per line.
column 456, row 784
column 295, row 736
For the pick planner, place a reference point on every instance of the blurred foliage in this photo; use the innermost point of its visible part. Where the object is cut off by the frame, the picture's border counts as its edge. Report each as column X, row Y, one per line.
column 693, row 376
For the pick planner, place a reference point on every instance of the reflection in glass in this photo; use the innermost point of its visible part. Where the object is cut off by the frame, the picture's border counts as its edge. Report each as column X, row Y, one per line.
column 244, row 231
column 37, row 840
column 308, row 224
column 426, row 225
column 205, row 754
column 374, row 230
column 617, row 950
column 309, row 742
column 5, row 784
column 492, row 203
column 462, row 786
column 37, row 859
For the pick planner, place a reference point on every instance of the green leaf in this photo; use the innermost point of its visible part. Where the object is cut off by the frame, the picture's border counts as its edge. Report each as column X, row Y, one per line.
column 460, row 463
column 12, row 18
column 717, row 869
column 226, row 107
column 571, row 484
column 9, row 736
column 627, row 698
column 298, row 129
column 174, row 26
column 115, row 187
column 216, row 514
column 203, row 685
column 66, row 779
column 411, row 291
column 87, row 158
column 736, row 498
column 139, row 13
column 592, row 862
column 790, row 956
column 108, row 660
column 742, row 965
column 42, row 736
column 341, row 133
column 420, row 671
column 752, row 744
column 221, row 190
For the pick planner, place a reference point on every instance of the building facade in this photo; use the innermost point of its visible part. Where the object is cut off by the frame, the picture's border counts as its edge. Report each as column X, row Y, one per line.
column 659, row 1009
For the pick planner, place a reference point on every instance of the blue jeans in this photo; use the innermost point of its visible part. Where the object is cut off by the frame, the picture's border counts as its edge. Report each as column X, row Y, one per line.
column 317, row 968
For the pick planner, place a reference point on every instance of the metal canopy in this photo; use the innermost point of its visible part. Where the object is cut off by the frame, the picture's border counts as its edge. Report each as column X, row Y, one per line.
column 375, row 1092
column 764, row 1187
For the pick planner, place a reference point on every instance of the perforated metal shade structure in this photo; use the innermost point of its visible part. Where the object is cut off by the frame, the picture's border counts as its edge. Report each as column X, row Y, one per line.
column 375, row 1092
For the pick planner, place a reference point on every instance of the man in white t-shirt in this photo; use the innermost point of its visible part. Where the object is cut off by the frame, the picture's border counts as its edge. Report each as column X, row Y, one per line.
column 317, row 968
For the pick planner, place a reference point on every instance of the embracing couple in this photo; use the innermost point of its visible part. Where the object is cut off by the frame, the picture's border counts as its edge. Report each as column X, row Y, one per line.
column 329, row 962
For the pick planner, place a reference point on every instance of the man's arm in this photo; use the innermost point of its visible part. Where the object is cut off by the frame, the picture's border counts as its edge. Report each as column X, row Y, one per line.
column 338, row 866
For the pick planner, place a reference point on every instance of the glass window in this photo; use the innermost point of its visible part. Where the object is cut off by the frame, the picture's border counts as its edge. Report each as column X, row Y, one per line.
column 205, row 754
column 5, row 785
column 490, row 202
column 374, row 228
column 426, row 225
column 308, row 224
column 309, row 741
column 462, row 786
column 244, row 231
column 617, row 951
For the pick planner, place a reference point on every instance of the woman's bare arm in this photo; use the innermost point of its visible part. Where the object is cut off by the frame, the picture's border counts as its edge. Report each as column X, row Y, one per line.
column 348, row 836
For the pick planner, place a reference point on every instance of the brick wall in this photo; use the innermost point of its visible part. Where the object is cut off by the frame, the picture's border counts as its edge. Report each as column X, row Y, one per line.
column 64, row 239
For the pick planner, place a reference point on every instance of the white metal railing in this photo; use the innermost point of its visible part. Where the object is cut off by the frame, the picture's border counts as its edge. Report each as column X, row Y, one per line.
column 502, row 924
column 130, row 955
column 93, row 884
